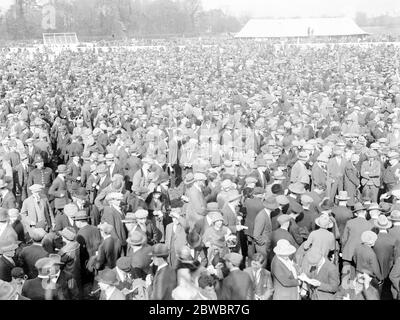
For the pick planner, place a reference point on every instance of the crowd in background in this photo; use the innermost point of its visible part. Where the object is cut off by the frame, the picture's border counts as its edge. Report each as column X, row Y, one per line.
column 234, row 171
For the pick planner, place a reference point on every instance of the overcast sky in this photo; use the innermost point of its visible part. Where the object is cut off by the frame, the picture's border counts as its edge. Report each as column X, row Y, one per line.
column 304, row 8
column 291, row 8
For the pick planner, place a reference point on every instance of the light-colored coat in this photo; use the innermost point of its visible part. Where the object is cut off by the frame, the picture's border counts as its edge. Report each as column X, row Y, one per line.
column 285, row 285
column 300, row 173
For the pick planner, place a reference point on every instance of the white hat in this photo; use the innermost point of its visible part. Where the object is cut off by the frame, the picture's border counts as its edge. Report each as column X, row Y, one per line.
column 36, row 187
column 199, row 176
column 141, row 214
column 369, row 237
column 284, row 248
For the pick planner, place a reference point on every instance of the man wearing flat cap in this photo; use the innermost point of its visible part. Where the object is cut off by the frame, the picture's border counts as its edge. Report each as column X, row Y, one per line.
column 237, row 285
column 36, row 209
column 52, row 283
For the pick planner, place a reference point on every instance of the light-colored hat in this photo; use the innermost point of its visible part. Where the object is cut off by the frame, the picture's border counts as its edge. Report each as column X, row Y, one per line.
column 371, row 153
column 278, row 175
column 70, row 209
column 297, row 188
column 342, row 196
column 136, row 238
column 282, row 200
column 215, row 216
column 323, row 158
column 369, row 237
column 393, row 155
column 324, row 221
column 109, row 156
column 141, row 214
column 395, row 215
column 283, row 218
column 306, row 199
column 175, row 213
column 234, row 258
column 396, row 193
column 226, row 184
column 382, row 222
column 199, row 177
column 284, row 248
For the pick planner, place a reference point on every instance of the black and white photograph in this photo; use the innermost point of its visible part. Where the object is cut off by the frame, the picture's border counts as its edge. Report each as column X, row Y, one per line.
column 204, row 150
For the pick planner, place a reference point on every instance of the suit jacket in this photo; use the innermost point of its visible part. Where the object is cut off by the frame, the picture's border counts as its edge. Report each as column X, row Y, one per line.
column 141, row 258
column 28, row 257
column 152, row 232
column 108, row 253
column 390, row 176
column 322, row 241
column 318, row 175
column 394, row 277
column 62, row 221
column 328, row 275
column 196, row 205
column 263, row 232
column 373, row 177
column 30, row 214
column 263, row 286
column 237, row 286
column 5, row 269
column 8, row 201
column 113, row 217
column 395, row 233
column 33, row 289
column 163, row 283
column 230, row 217
column 253, row 207
column 365, row 258
column 59, row 191
column 9, row 234
column 299, row 173
column 89, row 238
column 174, row 241
column 21, row 181
column 285, row 285
column 335, row 171
column 352, row 236
column 385, row 250
column 44, row 177
column 341, row 215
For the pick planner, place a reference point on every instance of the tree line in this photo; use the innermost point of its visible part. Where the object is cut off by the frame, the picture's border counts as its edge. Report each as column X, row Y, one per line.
column 118, row 19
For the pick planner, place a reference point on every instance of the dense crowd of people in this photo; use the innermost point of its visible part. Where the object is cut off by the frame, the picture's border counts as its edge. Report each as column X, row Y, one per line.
column 225, row 172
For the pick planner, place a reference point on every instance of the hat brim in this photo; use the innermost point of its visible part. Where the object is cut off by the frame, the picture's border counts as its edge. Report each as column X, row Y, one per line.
column 285, row 253
column 343, row 199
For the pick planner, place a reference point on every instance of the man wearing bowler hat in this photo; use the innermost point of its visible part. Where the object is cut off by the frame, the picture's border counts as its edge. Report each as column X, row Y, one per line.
column 59, row 189
column 160, row 287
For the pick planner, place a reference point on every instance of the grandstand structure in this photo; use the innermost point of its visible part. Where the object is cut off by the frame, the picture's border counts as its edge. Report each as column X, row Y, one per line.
column 300, row 28
column 60, row 39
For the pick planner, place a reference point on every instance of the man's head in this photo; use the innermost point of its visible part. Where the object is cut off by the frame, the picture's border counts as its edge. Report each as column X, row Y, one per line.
column 257, row 261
